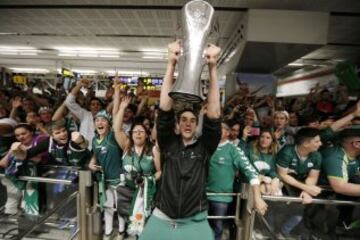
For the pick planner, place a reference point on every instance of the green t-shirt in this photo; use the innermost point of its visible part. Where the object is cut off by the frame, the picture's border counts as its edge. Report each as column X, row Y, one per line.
column 337, row 164
column 108, row 156
column 134, row 164
column 264, row 163
column 327, row 135
column 298, row 168
column 222, row 168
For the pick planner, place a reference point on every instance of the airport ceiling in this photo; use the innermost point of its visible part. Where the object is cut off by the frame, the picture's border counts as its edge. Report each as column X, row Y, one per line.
column 132, row 35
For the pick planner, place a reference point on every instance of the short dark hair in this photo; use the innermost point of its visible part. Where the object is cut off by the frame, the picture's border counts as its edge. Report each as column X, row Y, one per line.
column 97, row 99
column 353, row 131
column 179, row 113
column 26, row 126
column 55, row 125
column 231, row 122
column 132, row 107
column 306, row 134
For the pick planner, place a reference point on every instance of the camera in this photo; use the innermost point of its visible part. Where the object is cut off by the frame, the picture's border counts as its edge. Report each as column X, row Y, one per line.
column 137, row 177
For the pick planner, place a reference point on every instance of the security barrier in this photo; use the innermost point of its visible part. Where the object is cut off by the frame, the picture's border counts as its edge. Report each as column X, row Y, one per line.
column 89, row 217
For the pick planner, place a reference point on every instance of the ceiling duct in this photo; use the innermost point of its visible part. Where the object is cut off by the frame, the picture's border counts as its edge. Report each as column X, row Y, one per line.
column 276, row 37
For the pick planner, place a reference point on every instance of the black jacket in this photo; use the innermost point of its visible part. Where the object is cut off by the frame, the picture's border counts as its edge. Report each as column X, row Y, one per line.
column 184, row 168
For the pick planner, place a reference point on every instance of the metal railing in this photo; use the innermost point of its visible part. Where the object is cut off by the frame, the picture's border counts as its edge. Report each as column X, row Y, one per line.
column 59, row 206
column 314, row 200
column 42, row 180
column 89, row 217
column 46, row 216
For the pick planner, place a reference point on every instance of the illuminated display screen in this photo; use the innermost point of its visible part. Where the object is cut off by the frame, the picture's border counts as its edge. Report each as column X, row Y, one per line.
column 67, row 73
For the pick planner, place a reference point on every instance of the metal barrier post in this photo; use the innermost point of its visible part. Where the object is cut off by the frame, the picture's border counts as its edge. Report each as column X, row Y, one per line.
column 247, row 215
column 86, row 229
column 237, row 217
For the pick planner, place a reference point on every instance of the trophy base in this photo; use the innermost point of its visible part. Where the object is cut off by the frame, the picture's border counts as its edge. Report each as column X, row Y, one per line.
column 185, row 97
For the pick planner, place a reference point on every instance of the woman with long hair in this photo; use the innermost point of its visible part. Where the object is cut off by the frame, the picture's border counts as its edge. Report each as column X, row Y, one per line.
column 107, row 160
column 141, row 161
column 261, row 154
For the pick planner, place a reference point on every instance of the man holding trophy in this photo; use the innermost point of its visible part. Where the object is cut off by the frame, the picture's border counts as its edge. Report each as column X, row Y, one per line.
column 181, row 206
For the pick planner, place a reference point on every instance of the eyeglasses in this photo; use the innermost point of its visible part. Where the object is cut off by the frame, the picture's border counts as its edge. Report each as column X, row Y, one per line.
column 138, row 131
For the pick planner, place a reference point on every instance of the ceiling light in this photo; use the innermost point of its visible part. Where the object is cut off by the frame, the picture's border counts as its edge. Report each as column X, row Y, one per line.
column 28, row 53
column 159, row 50
column 153, row 57
column 8, row 53
column 29, row 70
column 129, row 73
column 87, row 55
column 295, row 64
column 84, row 71
column 109, row 55
column 67, row 54
column 18, row 50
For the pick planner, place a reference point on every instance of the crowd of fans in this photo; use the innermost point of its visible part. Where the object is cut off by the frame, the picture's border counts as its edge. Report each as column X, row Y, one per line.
column 297, row 147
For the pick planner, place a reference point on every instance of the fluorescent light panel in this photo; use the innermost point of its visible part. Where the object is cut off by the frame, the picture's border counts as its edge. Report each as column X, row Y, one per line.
column 88, row 52
column 84, row 71
column 153, row 57
column 29, row 70
column 112, row 72
column 18, row 50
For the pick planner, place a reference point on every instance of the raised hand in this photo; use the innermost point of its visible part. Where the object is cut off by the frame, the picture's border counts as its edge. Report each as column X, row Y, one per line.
column 84, row 83
column 125, row 101
column 174, row 50
column 278, row 133
column 17, row 102
column 211, row 54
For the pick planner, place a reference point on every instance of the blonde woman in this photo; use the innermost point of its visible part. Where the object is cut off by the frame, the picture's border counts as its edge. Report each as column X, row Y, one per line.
column 261, row 154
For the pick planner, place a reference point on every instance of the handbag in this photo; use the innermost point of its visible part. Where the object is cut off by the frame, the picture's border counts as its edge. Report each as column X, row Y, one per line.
column 124, row 195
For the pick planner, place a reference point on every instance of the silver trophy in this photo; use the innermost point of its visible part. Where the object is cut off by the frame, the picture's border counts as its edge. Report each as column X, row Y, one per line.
column 197, row 21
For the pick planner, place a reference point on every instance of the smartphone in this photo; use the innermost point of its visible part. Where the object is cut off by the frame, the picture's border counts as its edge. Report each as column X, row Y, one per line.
column 254, row 131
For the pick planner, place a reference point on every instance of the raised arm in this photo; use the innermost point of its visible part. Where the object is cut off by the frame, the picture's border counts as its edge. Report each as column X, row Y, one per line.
column 213, row 110
column 120, row 136
column 342, row 122
column 117, row 96
column 157, row 162
column 141, row 105
column 173, row 55
column 60, row 112
column 71, row 103
column 16, row 103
